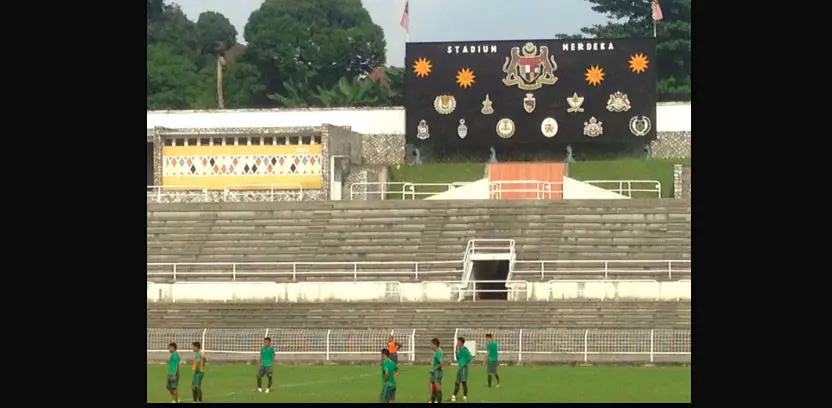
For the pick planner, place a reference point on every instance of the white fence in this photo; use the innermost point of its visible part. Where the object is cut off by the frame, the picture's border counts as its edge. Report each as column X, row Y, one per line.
column 183, row 271
column 579, row 345
column 289, row 344
column 604, row 269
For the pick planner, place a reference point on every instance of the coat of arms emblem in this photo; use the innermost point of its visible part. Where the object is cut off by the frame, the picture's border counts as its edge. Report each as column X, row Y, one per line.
column 462, row 130
column 422, row 131
column 640, row 125
column 593, row 128
column 618, row 102
column 529, row 103
column 549, row 127
column 575, row 103
column 530, row 69
column 487, row 109
column 505, row 128
column 444, row 104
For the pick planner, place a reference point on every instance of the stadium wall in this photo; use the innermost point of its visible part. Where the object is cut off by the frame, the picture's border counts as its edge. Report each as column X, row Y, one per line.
column 409, row 292
column 382, row 129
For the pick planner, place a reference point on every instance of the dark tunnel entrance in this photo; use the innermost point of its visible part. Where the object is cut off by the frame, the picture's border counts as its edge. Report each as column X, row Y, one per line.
column 494, row 271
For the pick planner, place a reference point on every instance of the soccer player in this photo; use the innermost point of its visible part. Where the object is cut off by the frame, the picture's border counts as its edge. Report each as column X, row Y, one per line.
column 492, row 360
column 199, row 371
column 173, row 372
column 389, row 371
column 463, row 358
column 436, row 372
column 393, row 347
column 266, row 361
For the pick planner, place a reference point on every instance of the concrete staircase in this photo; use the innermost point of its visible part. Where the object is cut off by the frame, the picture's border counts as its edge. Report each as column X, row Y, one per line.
column 418, row 230
column 433, row 319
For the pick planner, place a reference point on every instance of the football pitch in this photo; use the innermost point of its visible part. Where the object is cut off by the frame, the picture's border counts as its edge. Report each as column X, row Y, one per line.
column 237, row 383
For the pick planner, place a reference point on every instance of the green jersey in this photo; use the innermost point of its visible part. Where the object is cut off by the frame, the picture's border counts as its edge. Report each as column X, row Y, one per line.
column 463, row 356
column 173, row 364
column 389, row 369
column 437, row 359
column 267, row 356
column 492, row 350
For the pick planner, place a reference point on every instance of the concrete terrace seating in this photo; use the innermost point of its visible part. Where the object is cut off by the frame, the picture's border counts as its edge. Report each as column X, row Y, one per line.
column 418, row 230
column 432, row 319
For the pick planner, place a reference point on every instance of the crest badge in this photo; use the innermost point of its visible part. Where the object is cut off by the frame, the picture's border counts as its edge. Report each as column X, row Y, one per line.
column 462, row 130
column 530, row 68
column 640, row 125
column 618, row 102
column 593, row 128
column 575, row 103
column 529, row 103
column 486, row 106
column 422, row 131
column 505, row 128
column 549, row 127
column 444, row 104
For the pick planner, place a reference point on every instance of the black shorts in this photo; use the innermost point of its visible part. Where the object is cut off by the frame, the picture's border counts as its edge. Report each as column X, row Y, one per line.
column 491, row 367
column 394, row 357
column 263, row 370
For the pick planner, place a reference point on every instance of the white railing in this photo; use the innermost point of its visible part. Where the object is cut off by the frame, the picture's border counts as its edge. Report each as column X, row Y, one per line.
column 295, row 270
column 545, row 190
column 580, row 345
column 480, row 246
column 628, row 187
column 289, row 344
column 183, row 193
column 603, row 269
column 399, row 190
column 529, row 189
column 263, row 192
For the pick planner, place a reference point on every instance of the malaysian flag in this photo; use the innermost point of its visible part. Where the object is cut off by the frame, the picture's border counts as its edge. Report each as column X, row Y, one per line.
column 657, row 10
column 406, row 17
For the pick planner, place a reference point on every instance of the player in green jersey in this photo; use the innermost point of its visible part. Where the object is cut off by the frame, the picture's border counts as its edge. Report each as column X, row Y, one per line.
column 266, row 361
column 463, row 358
column 199, row 371
column 173, row 372
column 492, row 360
column 436, row 372
column 389, row 371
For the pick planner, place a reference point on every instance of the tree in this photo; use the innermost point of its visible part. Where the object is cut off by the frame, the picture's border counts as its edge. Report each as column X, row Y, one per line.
column 173, row 29
column 633, row 18
column 171, row 78
column 215, row 36
column 313, row 43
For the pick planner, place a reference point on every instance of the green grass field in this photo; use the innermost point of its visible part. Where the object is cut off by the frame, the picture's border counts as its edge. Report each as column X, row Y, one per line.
column 617, row 169
column 236, row 383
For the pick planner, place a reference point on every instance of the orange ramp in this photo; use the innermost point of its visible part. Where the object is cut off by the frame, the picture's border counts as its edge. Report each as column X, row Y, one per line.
column 511, row 180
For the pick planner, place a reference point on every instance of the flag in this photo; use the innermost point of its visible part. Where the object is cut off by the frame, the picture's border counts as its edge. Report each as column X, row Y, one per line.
column 406, row 17
column 657, row 10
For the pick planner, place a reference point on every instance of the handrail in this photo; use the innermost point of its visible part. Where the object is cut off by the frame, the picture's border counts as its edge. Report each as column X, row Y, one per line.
column 351, row 268
column 665, row 265
column 406, row 190
column 629, row 190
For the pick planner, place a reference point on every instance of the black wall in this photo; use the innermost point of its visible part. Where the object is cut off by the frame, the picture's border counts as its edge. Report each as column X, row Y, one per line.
column 508, row 100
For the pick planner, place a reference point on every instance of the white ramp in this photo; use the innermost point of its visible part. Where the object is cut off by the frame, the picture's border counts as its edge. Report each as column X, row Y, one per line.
column 578, row 190
column 477, row 190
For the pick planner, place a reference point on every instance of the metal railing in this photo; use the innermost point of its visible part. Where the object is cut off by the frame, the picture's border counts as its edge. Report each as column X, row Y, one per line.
column 530, row 189
column 289, row 344
column 295, row 270
column 399, row 190
column 479, row 246
column 626, row 188
column 514, row 289
column 160, row 194
column 604, row 269
column 262, row 192
column 584, row 345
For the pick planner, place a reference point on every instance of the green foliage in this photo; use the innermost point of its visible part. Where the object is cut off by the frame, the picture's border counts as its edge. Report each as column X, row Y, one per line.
column 311, row 46
column 633, row 18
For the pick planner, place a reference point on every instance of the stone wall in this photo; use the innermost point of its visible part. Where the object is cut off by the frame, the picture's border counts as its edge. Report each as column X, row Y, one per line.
column 383, row 149
column 681, row 181
column 343, row 142
column 364, row 174
column 671, row 145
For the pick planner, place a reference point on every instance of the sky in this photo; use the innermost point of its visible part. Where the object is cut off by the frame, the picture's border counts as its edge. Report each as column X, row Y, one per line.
column 441, row 20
